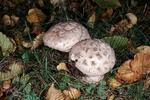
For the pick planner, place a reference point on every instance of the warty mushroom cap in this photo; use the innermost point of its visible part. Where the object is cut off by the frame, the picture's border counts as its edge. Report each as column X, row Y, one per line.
column 94, row 58
column 64, row 35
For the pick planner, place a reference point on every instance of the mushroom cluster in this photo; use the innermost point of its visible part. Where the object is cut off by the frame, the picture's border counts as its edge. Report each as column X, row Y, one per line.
column 93, row 57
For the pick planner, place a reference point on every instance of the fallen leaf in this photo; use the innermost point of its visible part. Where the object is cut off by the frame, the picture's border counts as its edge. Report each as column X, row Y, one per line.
column 62, row 66
column 27, row 44
column 14, row 68
column 7, row 44
column 143, row 48
column 73, row 93
column 125, row 24
column 117, row 42
column 133, row 70
column 6, row 84
column 35, row 16
column 10, row 20
column 7, row 21
column 91, row 20
column 113, row 83
column 38, row 40
column 55, row 94
column 112, row 97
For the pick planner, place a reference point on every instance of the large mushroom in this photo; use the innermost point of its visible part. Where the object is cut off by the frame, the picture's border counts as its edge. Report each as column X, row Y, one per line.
column 64, row 35
column 94, row 58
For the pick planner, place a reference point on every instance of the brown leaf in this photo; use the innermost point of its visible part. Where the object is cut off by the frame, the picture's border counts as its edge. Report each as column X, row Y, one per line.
column 125, row 24
column 55, row 94
column 73, row 93
column 112, row 97
column 38, row 40
column 35, row 16
column 10, row 20
column 133, row 70
column 125, row 73
column 113, row 83
column 143, row 48
column 62, row 66
column 91, row 20
column 6, row 84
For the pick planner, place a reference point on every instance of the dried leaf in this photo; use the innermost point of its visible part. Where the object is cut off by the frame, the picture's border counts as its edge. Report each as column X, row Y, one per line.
column 113, row 83
column 26, row 44
column 7, row 45
column 7, row 21
column 10, row 20
column 62, row 66
column 112, row 97
column 125, row 24
column 55, row 94
column 35, row 16
column 6, row 84
column 143, row 48
column 108, row 3
column 132, row 19
column 15, row 68
column 126, row 75
column 73, row 93
column 133, row 70
column 38, row 40
column 91, row 20
column 117, row 42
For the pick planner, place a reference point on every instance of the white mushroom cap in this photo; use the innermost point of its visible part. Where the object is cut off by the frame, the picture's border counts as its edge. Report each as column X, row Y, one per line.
column 93, row 58
column 64, row 35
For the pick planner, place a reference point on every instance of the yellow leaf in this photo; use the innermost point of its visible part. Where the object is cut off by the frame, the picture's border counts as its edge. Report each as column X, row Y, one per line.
column 62, row 66
column 35, row 16
column 73, row 93
column 55, row 94
column 6, row 84
column 38, row 40
column 143, row 48
column 125, row 24
column 113, row 83
column 14, row 67
column 7, row 45
column 91, row 20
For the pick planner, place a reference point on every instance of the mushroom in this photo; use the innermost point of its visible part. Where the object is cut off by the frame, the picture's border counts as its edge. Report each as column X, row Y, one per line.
column 64, row 35
column 94, row 58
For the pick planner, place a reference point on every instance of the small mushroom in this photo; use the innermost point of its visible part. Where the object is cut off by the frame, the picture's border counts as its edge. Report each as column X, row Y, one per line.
column 94, row 58
column 64, row 35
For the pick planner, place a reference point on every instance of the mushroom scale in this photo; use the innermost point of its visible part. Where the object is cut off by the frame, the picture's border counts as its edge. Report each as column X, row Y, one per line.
column 94, row 58
column 64, row 35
